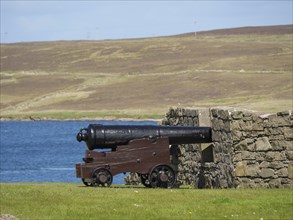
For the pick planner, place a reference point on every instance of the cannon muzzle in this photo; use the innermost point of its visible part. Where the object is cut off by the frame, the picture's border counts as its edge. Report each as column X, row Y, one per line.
column 82, row 135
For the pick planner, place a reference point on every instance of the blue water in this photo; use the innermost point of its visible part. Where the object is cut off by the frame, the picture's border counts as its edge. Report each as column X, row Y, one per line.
column 45, row 151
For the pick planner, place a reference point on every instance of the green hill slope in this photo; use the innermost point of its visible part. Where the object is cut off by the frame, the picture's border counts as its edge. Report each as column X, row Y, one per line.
column 144, row 77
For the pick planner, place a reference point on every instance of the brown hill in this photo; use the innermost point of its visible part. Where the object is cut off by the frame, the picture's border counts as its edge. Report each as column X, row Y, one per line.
column 255, row 30
column 146, row 76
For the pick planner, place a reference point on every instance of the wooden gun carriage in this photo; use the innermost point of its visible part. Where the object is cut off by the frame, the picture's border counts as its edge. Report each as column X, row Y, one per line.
column 141, row 149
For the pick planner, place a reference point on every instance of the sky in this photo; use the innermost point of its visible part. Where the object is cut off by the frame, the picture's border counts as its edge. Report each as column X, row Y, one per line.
column 48, row 20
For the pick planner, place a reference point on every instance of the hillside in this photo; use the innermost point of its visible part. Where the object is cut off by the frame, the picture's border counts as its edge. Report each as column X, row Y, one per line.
column 262, row 30
column 144, row 77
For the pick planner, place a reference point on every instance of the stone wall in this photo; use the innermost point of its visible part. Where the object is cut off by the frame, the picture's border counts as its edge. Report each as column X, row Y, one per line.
column 263, row 149
column 188, row 161
column 249, row 150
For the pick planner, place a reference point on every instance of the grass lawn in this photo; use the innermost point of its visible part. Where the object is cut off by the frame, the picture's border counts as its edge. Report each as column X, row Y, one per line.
column 73, row 201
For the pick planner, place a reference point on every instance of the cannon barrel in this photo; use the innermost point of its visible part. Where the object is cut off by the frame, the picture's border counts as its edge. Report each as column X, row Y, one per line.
column 98, row 136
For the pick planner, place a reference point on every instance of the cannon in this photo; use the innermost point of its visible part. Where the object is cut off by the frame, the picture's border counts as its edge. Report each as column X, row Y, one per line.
column 142, row 149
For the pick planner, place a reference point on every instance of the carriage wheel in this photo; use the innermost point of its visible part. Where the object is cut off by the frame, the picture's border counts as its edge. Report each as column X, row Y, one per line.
column 145, row 180
column 102, row 177
column 86, row 183
column 162, row 176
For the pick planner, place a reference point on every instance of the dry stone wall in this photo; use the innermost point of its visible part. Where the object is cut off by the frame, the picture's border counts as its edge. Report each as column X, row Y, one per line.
column 249, row 150
column 187, row 162
column 263, row 149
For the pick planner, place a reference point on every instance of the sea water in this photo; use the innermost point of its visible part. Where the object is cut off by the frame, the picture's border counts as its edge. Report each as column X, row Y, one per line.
column 45, row 151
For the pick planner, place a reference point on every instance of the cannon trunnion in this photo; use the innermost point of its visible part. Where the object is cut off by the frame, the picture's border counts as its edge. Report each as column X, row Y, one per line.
column 144, row 150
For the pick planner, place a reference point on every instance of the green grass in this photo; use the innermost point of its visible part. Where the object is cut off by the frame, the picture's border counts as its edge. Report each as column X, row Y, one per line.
column 73, row 201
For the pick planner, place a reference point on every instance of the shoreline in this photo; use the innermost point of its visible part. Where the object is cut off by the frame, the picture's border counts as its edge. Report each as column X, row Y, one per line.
column 12, row 119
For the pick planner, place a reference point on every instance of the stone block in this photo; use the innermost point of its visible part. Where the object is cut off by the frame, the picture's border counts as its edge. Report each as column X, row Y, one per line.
column 275, row 183
column 216, row 136
column 191, row 112
column 223, row 114
column 264, row 164
column 246, row 155
column 247, row 118
column 275, row 121
column 290, row 170
column 217, row 124
column 179, row 112
column 252, row 170
column 261, row 156
column 273, row 131
column 275, row 156
column 289, row 155
column 257, row 126
column 279, row 145
column 245, row 125
column 251, row 147
column 263, row 144
column 288, row 133
column 171, row 113
column 276, row 164
column 266, row 173
column 282, row 172
column 237, row 114
column 241, row 146
column 214, row 113
column 188, row 121
column 235, row 125
column 237, row 135
column 272, row 121
column 237, row 157
column 241, row 169
column 276, row 137
column 226, row 126
column 284, row 113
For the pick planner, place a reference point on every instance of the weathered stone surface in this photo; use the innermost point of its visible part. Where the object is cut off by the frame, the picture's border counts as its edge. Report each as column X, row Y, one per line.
column 289, row 155
column 252, row 170
column 237, row 135
column 266, row 173
column 284, row 113
column 247, row 116
column 237, row 157
column 290, row 170
column 280, row 145
column 216, row 136
column 235, row 125
column 191, row 113
column 237, row 114
column 245, row 125
column 223, row 114
column 288, row 133
column 275, row 121
column 241, row 146
column 250, row 151
column 264, row 164
column 241, row 169
column 275, row 183
column 217, row 124
column 247, row 155
column 282, row 172
column 263, row 144
column 275, row 156
column 251, row 147
column 276, row 164
column 257, row 123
